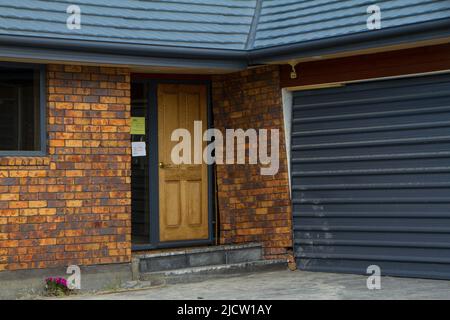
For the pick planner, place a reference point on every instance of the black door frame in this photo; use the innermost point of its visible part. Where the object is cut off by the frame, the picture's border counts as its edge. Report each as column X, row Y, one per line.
column 153, row 179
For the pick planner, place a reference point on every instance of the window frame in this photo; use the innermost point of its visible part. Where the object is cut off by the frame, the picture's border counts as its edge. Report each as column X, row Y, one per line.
column 42, row 152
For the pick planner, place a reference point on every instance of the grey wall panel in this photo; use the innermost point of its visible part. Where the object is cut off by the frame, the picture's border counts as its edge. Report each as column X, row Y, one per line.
column 371, row 177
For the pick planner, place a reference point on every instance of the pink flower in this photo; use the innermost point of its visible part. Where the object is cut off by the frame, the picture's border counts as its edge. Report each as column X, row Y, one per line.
column 59, row 281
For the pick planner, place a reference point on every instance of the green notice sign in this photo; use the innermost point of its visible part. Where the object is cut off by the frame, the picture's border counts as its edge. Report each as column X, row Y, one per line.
column 138, row 125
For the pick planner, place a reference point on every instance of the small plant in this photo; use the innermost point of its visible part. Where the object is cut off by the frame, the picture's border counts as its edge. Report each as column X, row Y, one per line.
column 56, row 286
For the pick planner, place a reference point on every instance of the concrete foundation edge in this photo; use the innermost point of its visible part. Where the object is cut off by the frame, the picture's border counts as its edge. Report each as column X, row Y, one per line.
column 25, row 284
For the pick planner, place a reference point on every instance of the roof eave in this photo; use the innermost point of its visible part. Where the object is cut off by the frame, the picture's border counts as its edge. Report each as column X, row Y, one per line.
column 63, row 50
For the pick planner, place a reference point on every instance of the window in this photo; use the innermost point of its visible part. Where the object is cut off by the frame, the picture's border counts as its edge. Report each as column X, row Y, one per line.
column 22, row 109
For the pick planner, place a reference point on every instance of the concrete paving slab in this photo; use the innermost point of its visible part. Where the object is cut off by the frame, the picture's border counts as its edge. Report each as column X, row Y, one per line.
column 289, row 285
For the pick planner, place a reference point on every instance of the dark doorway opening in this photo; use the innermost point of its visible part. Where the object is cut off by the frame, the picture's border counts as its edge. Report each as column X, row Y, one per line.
column 145, row 168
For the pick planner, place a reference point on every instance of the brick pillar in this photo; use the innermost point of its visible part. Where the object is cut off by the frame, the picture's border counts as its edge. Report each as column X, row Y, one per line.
column 252, row 207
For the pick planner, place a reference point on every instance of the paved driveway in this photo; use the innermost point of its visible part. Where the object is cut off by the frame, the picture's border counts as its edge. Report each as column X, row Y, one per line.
column 291, row 285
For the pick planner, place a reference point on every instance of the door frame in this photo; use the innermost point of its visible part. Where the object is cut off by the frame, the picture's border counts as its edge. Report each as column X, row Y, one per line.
column 153, row 179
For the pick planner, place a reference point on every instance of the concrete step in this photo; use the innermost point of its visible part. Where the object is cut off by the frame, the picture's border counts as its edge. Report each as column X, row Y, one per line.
column 197, row 257
column 198, row 274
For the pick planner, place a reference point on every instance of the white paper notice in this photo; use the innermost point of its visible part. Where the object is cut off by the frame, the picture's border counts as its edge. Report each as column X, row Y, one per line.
column 138, row 149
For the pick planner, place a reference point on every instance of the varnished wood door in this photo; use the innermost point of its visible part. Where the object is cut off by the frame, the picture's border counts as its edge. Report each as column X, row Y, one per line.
column 183, row 189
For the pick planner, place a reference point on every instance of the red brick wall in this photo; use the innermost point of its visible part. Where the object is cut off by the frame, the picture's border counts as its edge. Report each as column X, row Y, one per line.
column 252, row 207
column 73, row 206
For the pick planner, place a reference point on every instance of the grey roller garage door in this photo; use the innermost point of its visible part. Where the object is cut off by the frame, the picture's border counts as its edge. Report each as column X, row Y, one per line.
column 371, row 177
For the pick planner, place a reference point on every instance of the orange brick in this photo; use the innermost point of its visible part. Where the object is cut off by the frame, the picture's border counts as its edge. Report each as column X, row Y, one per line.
column 47, row 211
column 74, row 203
column 18, row 204
column 74, row 143
column 29, row 212
column 37, row 173
column 74, row 173
column 37, row 204
column 64, row 105
column 99, row 106
column 47, row 242
column 81, row 106
column 262, row 211
column 9, row 197
column 8, row 213
column 9, row 243
column 55, row 188
column 108, row 100
column 18, row 173
column 56, row 143
column 109, row 129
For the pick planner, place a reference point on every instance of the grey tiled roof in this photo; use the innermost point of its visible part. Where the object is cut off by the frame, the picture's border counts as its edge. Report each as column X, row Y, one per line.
column 193, row 23
column 288, row 21
column 217, row 24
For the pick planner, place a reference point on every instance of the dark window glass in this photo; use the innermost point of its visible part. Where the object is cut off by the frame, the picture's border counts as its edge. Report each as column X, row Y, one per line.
column 19, row 109
column 140, row 220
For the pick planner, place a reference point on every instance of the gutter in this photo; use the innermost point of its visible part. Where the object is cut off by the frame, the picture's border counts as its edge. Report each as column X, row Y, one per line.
column 123, row 54
column 122, row 48
column 235, row 59
column 44, row 55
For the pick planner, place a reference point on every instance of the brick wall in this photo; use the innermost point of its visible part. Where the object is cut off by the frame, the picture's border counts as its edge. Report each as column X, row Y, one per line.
column 252, row 208
column 73, row 206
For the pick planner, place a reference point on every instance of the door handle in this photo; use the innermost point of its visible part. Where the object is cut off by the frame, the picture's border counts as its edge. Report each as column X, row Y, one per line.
column 163, row 165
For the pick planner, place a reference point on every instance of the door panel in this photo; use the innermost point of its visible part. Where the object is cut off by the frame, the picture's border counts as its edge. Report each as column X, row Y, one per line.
column 194, row 200
column 183, row 189
column 172, row 204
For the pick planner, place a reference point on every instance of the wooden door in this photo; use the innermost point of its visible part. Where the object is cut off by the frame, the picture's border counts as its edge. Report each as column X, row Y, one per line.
column 183, row 189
